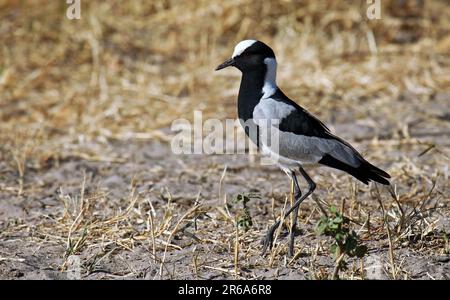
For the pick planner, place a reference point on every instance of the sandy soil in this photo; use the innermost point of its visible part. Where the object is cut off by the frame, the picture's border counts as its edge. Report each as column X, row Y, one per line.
column 90, row 189
column 35, row 226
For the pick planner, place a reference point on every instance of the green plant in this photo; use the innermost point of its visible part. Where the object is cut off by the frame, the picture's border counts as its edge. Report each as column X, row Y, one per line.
column 337, row 226
column 243, row 217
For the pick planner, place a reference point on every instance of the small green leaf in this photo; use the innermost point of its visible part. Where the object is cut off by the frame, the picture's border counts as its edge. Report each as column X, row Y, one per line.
column 321, row 228
column 338, row 219
column 335, row 250
column 340, row 237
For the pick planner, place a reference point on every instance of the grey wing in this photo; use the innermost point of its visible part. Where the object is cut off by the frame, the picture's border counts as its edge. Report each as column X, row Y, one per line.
column 297, row 135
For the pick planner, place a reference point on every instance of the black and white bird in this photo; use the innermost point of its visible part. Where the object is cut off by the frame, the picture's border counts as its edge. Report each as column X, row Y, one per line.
column 301, row 138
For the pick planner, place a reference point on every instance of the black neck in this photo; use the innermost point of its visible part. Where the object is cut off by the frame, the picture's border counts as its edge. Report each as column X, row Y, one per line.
column 250, row 92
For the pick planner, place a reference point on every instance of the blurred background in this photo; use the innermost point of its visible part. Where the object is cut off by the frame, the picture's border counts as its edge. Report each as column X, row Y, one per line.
column 126, row 70
column 86, row 107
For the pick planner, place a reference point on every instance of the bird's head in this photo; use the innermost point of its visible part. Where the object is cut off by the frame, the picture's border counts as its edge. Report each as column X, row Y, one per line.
column 249, row 55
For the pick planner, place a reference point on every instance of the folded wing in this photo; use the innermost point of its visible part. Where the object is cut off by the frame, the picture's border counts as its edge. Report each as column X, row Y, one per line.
column 304, row 138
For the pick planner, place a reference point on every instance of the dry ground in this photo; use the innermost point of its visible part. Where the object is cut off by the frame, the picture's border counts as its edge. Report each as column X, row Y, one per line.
column 86, row 170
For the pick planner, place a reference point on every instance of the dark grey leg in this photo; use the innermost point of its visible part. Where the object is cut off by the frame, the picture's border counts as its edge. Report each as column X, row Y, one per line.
column 268, row 240
column 297, row 195
column 311, row 188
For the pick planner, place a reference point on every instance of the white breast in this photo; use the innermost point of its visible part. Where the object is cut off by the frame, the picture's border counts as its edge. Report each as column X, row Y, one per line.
column 269, row 109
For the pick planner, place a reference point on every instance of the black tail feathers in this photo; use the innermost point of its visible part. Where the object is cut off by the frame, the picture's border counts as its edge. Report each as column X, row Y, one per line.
column 366, row 172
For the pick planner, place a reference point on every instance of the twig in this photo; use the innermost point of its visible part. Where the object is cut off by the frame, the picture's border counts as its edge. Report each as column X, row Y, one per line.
column 337, row 267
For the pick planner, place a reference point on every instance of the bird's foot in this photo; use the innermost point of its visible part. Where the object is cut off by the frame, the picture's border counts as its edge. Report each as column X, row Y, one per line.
column 291, row 246
column 291, row 250
column 267, row 241
column 294, row 232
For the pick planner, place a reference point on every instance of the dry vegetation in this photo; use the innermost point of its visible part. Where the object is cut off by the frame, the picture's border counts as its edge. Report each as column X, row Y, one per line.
column 86, row 169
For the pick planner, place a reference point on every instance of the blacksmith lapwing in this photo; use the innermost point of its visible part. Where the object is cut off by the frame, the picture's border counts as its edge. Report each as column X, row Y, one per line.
column 301, row 138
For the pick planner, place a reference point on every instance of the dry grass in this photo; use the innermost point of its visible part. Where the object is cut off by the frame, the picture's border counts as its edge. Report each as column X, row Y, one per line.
column 70, row 90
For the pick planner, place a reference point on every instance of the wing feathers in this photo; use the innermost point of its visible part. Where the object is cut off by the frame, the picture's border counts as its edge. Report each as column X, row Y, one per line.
column 305, row 138
column 366, row 172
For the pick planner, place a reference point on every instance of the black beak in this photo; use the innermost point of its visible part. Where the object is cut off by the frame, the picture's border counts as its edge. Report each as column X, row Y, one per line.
column 227, row 63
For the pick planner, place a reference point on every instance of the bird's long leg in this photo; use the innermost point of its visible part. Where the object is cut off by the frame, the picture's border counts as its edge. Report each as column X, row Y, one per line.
column 311, row 186
column 268, row 240
column 297, row 195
